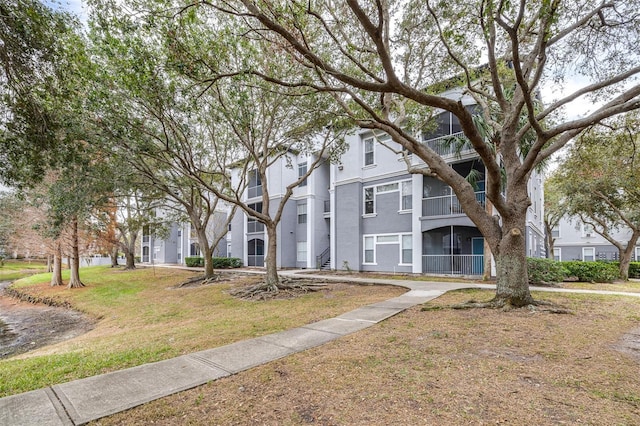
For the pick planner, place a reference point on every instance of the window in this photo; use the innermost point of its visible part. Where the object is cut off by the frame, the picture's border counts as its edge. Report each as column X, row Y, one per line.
column 194, row 249
column 587, row 230
column 406, row 198
column 255, row 252
column 369, row 201
column 301, row 251
column 444, row 124
column 637, row 254
column 404, row 242
column 403, row 187
column 588, row 254
column 386, row 187
column 252, row 223
column 369, row 251
column 179, row 233
column 406, row 256
column 368, row 152
column 302, row 213
column 255, row 184
column 387, row 239
column 557, row 254
column 555, row 232
column 302, row 170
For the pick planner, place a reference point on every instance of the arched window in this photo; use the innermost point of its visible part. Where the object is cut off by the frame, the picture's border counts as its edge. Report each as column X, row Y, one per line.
column 255, row 252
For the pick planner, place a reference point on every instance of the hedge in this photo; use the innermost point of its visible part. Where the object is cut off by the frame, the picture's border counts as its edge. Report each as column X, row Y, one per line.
column 634, row 270
column 544, row 271
column 226, row 262
column 218, row 262
column 194, row 261
column 599, row 272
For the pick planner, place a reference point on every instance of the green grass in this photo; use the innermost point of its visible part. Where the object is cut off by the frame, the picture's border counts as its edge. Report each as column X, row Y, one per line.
column 143, row 318
column 16, row 269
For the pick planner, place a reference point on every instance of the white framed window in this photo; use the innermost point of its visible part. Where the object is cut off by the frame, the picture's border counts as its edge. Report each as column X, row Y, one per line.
column 369, row 154
column 588, row 254
column 369, row 250
column 387, row 239
column 406, row 195
column 637, row 254
column 404, row 188
column 403, row 241
column 301, row 252
column 302, row 213
column 302, row 170
column 555, row 231
column 252, row 223
column 254, row 186
column 587, row 230
column 369, row 200
column 406, row 250
column 386, row 187
column 557, row 254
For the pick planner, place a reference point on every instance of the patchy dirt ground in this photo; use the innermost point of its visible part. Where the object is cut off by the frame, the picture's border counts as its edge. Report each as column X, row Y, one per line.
column 441, row 367
column 25, row 326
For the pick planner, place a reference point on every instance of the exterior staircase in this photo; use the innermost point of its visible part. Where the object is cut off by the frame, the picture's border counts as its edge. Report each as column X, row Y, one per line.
column 323, row 261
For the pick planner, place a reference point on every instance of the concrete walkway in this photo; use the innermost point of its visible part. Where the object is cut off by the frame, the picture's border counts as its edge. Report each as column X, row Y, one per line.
column 81, row 401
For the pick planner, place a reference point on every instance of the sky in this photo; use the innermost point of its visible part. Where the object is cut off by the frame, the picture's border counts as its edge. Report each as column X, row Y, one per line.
column 74, row 6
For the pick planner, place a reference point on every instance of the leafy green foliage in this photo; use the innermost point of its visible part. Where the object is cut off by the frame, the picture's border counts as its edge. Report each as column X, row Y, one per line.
column 598, row 272
column 218, row 262
column 194, row 261
column 634, row 270
column 226, row 262
column 544, row 271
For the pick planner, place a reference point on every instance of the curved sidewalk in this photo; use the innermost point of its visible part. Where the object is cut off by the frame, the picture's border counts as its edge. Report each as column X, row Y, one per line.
column 80, row 401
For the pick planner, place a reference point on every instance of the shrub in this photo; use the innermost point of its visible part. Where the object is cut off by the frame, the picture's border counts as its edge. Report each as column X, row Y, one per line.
column 634, row 270
column 194, row 261
column 598, row 272
column 226, row 262
column 542, row 271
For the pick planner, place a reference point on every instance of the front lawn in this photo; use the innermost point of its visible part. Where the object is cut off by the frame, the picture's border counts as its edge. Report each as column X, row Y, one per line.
column 142, row 317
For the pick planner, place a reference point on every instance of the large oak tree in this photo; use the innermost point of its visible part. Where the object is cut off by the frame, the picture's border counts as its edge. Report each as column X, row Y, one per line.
column 387, row 63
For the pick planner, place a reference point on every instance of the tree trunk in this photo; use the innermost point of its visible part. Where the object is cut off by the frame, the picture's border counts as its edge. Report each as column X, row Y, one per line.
column 512, row 287
column 74, row 281
column 114, row 257
column 56, row 276
column 549, row 240
column 271, row 261
column 49, row 264
column 130, row 260
column 627, row 254
column 208, row 261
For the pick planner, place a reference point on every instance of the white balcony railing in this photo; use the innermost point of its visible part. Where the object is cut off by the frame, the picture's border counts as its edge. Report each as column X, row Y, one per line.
column 454, row 264
column 446, row 204
column 444, row 146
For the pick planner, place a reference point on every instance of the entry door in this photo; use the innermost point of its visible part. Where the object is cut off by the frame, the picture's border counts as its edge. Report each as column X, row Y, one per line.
column 477, row 249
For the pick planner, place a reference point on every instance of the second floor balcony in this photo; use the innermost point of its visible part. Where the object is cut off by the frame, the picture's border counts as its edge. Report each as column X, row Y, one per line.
column 445, row 205
column 455, row 144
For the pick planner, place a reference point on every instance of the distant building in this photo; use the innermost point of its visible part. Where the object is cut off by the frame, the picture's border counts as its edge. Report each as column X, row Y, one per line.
column 575, row 240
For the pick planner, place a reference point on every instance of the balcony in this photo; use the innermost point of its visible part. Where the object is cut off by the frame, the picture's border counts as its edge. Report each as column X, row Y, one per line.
column 446, row 205
column 454, row 264
column 445, row 146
